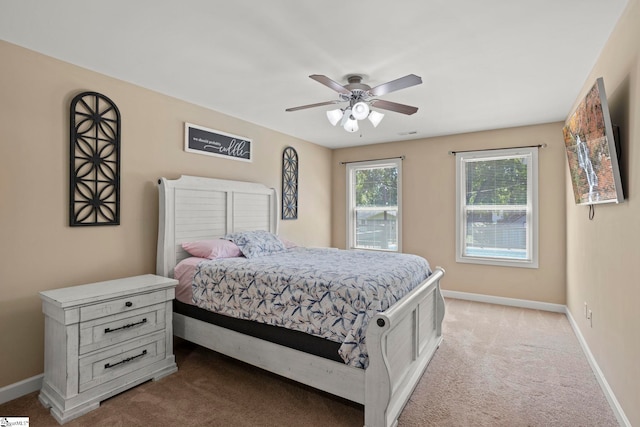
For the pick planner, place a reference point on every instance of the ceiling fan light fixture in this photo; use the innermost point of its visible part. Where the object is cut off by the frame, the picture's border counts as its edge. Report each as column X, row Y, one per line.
column 375, row 118
column 360, row 110
column 351, row 125
column 360, row 98
column 334, row 116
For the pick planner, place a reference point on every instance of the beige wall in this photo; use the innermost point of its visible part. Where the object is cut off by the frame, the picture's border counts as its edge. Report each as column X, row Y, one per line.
column 40, row 251
column 428, row 185
column 603, row 255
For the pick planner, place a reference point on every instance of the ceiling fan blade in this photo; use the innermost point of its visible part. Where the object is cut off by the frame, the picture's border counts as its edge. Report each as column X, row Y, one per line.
column 394, row 106
column 319, row 104
column 330, row 83
column 392, row 86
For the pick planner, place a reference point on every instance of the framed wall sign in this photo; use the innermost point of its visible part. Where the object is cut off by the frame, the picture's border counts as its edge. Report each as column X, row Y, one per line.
column 201, row 140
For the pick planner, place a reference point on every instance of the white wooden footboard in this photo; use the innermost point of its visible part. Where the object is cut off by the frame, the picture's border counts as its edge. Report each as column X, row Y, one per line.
column 401, row 342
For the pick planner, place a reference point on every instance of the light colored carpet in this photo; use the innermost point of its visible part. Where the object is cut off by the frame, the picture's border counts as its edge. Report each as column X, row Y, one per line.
column 497, row 366
column 507, row 366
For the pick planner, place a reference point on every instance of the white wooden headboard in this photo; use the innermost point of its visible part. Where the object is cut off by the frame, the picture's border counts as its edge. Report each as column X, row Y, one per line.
column 195, row 208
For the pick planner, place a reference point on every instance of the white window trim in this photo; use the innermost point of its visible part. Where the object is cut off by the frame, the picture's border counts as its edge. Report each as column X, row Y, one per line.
column 351, row 168
column 532, row 219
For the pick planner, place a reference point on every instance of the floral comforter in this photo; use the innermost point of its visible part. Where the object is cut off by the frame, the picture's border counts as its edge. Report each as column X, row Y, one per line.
column 329, row 293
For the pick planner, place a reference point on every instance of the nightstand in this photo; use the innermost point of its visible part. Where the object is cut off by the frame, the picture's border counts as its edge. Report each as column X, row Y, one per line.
column 103, row 338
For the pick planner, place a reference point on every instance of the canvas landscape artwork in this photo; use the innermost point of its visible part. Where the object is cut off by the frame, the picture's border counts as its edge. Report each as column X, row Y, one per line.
column 591, row 150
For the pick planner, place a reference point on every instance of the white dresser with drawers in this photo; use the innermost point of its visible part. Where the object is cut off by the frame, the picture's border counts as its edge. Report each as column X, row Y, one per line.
column 103, row 338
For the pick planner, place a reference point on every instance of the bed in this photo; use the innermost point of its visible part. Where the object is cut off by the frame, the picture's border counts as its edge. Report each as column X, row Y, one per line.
column 400, row 341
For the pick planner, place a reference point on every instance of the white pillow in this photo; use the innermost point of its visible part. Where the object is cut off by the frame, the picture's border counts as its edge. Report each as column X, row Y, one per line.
column 256, row 243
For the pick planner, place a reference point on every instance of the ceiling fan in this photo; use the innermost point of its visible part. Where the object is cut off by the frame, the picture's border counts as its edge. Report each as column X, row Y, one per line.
column 361, row 97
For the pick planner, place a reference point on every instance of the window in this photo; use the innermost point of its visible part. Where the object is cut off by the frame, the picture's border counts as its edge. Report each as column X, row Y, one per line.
column 373, row 205
column 497, row 207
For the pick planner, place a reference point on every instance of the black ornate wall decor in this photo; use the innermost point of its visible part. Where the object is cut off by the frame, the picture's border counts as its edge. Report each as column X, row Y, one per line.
column 289, row 183
column 94, row 166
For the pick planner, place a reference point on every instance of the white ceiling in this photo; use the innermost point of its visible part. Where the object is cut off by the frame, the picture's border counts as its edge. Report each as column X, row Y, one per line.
column 485, row 64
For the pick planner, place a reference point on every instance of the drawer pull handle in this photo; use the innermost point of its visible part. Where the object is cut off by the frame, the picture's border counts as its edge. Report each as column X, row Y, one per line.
column 127, row 326
column 128, row 303
column 128, row 359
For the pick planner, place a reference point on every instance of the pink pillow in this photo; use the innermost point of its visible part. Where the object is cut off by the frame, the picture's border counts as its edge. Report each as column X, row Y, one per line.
column 212, row 249
column 287, row 243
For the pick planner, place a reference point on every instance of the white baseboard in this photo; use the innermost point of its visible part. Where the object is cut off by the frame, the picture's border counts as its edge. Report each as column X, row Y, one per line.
column 608, row 393
column 557, row 308
column 19, row 389
column 535, row 305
